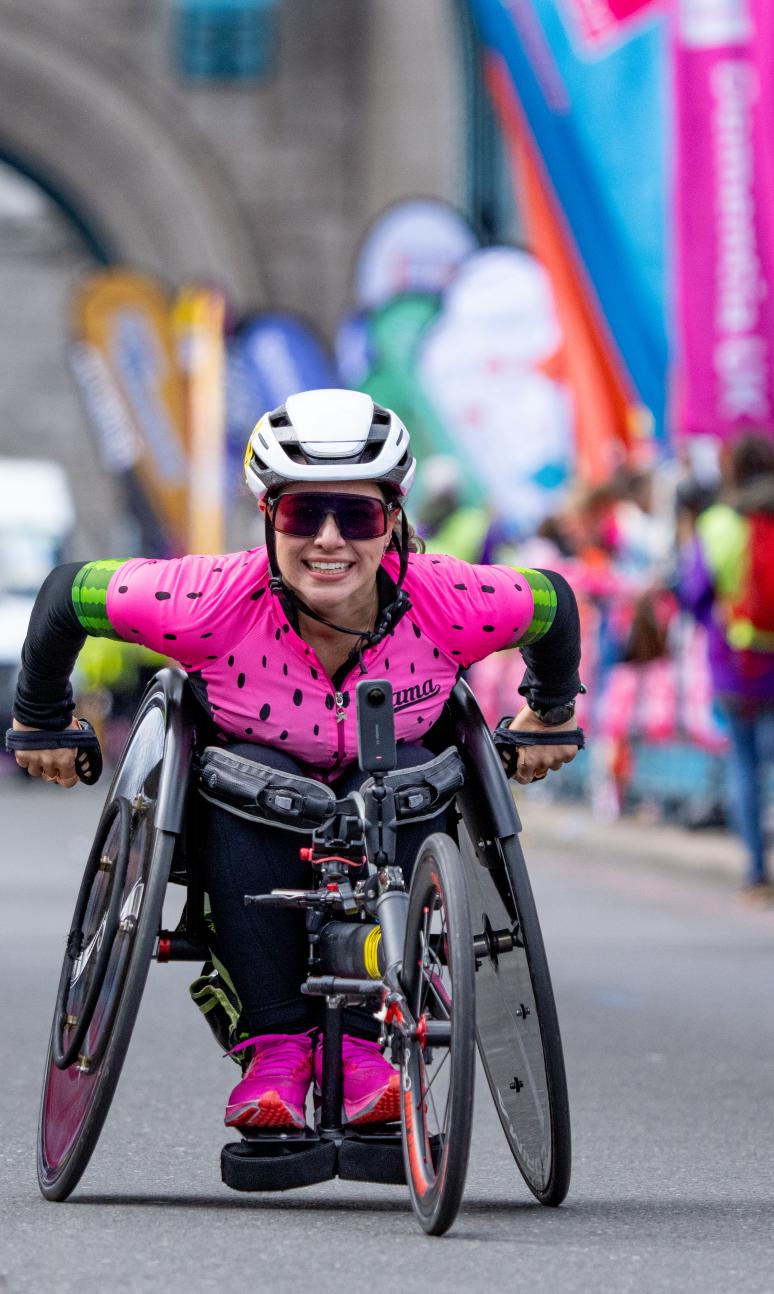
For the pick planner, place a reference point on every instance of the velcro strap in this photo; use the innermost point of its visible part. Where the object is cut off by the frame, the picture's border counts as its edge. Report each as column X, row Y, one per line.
column 88, row 762
column 263, row 794
column 425, row 790
column 507, row 742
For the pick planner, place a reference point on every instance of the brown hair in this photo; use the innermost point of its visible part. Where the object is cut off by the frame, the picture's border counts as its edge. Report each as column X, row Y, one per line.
column 750, row 457
column 416, row 543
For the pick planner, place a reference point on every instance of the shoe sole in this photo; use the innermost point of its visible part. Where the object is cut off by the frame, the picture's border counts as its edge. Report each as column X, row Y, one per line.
column 384, row 1107
column 270, row 1111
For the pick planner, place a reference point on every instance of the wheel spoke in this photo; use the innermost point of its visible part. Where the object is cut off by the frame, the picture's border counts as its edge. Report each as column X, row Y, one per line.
column 426, row 1092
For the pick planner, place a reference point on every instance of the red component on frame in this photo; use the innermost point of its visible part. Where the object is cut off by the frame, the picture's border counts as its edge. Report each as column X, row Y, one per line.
column 164, row 950
column 306, row 854
column 421, row 1032
column 393, row 1014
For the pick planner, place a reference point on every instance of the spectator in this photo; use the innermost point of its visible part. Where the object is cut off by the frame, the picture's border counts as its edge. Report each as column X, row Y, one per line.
column 727, row 581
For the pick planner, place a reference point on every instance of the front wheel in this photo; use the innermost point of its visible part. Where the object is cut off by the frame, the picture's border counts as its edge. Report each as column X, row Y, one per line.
column 438, row 1066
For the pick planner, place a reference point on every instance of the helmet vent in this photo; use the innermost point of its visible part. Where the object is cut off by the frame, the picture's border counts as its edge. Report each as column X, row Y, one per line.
column 280, row 420
column 381, row 417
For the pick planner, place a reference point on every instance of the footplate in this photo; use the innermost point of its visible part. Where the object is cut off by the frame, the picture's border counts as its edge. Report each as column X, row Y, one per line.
column 284, row 1164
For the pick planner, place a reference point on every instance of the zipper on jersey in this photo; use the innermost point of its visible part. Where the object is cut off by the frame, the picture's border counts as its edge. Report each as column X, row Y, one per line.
column 340, row 715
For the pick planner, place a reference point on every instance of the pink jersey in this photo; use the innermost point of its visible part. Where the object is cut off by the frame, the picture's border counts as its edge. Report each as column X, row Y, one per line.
column 263, row 683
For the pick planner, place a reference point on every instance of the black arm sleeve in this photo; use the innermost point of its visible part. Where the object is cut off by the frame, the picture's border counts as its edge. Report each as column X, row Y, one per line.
column 44, row 697
column 552, row 662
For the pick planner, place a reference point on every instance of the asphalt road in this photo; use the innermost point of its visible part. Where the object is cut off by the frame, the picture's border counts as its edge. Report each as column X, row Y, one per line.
column 665, row 991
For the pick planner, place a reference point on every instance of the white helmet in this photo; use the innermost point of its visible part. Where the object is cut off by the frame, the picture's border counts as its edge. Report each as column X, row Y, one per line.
column 329, row 435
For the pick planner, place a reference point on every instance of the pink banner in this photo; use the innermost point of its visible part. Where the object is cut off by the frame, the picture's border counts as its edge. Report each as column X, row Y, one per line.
column 599, row 20
column 724, row 196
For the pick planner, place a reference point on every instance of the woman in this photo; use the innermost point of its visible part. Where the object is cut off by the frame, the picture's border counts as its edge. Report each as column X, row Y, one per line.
column 726, row 580
column 274, row 641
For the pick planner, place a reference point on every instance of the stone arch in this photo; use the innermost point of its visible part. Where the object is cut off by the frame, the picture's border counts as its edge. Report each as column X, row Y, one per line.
column 113, row 147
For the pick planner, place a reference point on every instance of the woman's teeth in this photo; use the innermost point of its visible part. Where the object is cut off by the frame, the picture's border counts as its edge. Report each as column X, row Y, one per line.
column 329, row 566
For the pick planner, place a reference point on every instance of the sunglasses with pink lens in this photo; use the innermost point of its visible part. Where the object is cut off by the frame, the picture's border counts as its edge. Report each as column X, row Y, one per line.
column 357, row 516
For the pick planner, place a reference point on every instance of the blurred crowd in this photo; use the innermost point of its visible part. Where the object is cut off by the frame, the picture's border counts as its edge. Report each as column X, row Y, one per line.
column 673, row 567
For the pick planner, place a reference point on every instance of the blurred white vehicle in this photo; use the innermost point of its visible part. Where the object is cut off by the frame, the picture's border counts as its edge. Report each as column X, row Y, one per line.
column 37, row 516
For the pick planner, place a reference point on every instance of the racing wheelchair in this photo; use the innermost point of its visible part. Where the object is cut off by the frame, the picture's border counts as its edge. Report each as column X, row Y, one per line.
column 455, row 961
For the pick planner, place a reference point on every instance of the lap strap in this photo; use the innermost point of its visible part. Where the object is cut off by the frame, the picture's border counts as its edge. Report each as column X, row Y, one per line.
column 262, row 794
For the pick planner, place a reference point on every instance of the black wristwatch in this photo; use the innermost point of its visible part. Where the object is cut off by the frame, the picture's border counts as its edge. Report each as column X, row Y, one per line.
column 555, row 715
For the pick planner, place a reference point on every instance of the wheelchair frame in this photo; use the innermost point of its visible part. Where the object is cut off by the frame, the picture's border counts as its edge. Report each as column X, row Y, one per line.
column 524, row 1069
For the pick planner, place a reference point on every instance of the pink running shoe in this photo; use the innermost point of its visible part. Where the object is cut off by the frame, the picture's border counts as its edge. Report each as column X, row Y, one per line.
column 371, row 1085
column 272, row 1092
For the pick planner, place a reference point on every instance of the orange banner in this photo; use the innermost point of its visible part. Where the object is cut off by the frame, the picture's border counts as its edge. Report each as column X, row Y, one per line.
column 607, row 418
column 124, row 338
column 198, row 325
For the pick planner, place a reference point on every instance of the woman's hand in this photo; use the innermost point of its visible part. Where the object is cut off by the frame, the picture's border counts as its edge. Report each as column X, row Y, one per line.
column 535, row 761
column 52, row 765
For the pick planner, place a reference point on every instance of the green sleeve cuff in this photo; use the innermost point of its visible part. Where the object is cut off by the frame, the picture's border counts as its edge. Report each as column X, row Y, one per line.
column 89, row 595
column 544, row 606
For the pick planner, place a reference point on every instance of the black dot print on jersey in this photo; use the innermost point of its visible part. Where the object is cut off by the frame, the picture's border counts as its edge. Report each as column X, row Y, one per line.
column 487, row 588
column 123, row 588
column 255, row 596
column 249, row 731
column 240, row 680
column 435, row 561
column 417, row 630
column 460, row 586
column 412, row 667
column 162, row 597
column 263, row 661
column 284, row 735
column 517, row 586
column 277, row 635
column 208, row 634
column 231, row 660
column 217, row 570
column 265, row 711
column 436, row 653
column 456, row 653
column 210, row 658
column 457, row 626
column 345, row 699
column 298, row 696
column 285, row 670
column 316, row 730
column 313, row 672
column 329, row 703
column 488, row 629
column 170, row 637
column 193, row 595
column 135, row 631
column 420, row 718
column 286, row 629
column 386, row 662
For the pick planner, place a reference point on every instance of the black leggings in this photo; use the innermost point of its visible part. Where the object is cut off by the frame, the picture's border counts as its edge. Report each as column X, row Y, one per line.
column 265, row 950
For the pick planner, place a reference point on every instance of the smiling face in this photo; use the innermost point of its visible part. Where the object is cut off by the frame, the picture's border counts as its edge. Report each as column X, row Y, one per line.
column 336, row 577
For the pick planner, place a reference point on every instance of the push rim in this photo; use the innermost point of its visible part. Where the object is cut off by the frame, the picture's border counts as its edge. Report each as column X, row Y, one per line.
column 92, row 935
column 75, row 1100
